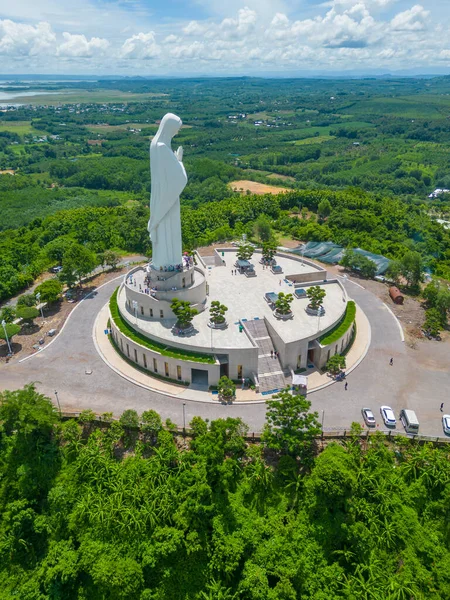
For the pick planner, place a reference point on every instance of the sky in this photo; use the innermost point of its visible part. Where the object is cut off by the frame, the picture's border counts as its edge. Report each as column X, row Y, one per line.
column 224, row 37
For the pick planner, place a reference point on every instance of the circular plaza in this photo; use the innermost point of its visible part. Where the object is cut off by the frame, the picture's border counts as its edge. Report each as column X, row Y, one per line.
column 255, row 343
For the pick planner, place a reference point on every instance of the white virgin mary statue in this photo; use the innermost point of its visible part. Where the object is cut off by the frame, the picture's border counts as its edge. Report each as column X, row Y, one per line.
column 168, row 181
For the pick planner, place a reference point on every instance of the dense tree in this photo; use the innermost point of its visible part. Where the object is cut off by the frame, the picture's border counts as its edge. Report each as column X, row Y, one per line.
column 8, row 314
column 290, row 427
column 263, row 228
column 78, row 262
column 412, row 268
column 95, row 512
column 50, row 290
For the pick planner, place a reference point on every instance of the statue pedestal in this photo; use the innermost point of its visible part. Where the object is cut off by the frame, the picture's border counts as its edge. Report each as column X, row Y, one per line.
column 171, row 280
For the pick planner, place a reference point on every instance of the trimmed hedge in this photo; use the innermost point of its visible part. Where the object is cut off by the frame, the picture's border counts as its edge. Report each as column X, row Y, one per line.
column 342, row 327
column 131, row 333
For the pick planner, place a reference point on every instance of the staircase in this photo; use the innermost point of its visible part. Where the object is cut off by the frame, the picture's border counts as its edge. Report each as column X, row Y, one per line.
column 270, row 372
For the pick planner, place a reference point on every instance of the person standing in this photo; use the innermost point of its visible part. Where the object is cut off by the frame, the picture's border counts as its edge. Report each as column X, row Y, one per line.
column 442, row 406
column 391, row 362
column 345, row 386
column 271, row 354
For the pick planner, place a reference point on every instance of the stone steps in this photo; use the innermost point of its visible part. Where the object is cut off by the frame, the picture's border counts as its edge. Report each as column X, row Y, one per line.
column 270, row 372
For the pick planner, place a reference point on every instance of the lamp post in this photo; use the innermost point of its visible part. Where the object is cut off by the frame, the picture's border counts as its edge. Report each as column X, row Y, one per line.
column 184, row 418
column 38, row 298
column 59, row 405
column 135, row 306
column 323, row 417
column 6, row 335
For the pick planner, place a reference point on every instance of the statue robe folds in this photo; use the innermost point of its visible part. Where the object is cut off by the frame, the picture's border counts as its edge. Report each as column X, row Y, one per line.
column 168, row 179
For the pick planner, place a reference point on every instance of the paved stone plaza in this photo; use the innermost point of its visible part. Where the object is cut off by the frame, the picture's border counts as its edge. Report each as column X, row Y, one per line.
column 244, row 297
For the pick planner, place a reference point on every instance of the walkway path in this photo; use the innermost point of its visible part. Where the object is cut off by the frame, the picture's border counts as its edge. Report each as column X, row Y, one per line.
column 418, row 379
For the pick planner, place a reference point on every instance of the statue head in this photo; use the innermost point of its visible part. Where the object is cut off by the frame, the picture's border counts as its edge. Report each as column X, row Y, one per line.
column 169, row 126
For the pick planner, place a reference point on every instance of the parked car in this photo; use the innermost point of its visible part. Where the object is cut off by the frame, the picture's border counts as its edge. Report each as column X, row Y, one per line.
column 368, row 417
column 56, row 269
column 387, row 414
column 446, row 424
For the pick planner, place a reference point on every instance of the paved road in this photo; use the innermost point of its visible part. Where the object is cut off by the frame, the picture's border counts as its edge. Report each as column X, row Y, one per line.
column 418, row 379
column 45, row 276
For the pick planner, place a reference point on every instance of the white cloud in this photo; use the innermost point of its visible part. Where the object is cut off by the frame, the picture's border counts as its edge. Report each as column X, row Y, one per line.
column 142, row 45
column 410, row 20
column 20, row 39
column 244, row 36
column 76, row 45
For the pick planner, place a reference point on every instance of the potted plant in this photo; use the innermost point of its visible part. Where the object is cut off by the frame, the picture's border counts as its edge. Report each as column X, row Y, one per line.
column 217, row 315
column 183, row 312
column 283, row 306
column 226, row 389
column 316, row 296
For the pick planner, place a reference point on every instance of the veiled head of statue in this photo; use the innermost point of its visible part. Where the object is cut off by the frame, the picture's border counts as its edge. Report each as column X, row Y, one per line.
column 170, row 125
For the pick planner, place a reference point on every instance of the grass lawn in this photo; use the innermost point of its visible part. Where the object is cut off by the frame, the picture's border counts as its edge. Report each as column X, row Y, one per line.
column 19, row 127
column 320, row 139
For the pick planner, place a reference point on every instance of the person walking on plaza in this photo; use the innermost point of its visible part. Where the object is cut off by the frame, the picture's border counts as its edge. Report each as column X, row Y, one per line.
column 391, row 362
column 442, row 406
column 345, row 386
column 271, row 354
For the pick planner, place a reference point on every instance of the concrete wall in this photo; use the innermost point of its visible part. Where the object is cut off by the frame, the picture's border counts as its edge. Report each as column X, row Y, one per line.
column 144, row 358
column 195, row 295
column 308, row 277
column 290, row 351
column 324, row 353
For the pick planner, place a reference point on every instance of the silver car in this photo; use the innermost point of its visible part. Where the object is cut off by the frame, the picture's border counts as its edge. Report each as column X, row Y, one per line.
column 368, row 417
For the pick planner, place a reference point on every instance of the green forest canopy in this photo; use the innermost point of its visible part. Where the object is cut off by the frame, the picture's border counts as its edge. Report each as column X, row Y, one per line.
column 109, row 512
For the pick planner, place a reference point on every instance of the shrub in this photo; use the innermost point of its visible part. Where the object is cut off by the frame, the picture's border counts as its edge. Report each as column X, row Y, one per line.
column 226, row 388
column 130, row 419
column 27, row 313
column 336, row 364
column 342, row 327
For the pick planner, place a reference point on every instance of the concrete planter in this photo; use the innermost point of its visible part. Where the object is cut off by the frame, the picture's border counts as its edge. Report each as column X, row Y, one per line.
column 212, row 325
column 315, row 312
column 183, row 330
column 281, row 317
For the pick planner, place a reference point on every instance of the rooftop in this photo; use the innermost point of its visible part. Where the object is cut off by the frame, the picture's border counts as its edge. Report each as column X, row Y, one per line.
column 245, row 299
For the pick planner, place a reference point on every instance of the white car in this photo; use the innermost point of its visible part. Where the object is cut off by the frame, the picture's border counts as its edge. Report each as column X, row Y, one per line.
column 446, row 423
column 368, row 417
column 387, row 414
